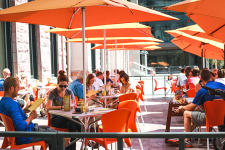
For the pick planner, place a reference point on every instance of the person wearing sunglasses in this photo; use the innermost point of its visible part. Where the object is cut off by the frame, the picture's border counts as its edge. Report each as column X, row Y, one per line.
column 56, row 101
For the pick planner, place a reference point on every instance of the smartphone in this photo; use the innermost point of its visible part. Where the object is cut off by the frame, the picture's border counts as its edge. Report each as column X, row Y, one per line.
column 77, row 113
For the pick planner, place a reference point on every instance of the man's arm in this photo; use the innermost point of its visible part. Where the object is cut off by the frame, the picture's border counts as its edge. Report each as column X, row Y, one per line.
column 188, row 107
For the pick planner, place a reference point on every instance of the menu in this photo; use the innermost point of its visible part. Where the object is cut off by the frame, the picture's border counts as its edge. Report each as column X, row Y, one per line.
column 67, row 103
column 90, row 93
column 37, row 103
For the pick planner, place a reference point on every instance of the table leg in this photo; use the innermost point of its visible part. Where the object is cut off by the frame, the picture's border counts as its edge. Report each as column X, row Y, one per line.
column 169, row 114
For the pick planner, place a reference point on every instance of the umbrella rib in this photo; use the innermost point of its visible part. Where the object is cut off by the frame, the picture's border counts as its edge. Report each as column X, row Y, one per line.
column 75, row 34
column 217, row 29
column 186, row 47
column 142, row 32
column 74, row 12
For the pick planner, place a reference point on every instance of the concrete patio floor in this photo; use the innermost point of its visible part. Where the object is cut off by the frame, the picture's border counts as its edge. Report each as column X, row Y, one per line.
column 155, row 121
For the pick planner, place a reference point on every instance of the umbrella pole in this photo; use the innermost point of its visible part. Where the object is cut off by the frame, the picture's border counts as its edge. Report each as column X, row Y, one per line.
column 84, row 54
column 202, row 55
column 224, row 56
column 123, row 59
column 133, row 63
column 116, row 61
column 104, row 59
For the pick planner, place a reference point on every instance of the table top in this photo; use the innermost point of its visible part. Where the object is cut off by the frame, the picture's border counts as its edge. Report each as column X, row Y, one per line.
column 46, row 87
column 24, row 92
column 189, row 99
column 109, row 96
column 71, row 114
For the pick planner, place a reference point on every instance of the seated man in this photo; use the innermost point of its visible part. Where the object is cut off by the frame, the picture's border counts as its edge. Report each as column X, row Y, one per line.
column 77, row 87
column 98, row 81
column 197, row 118
column 20, row 121
column 108, row 80
column 6, row 73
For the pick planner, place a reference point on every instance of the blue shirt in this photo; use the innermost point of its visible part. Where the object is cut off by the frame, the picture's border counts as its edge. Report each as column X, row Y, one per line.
column 1, row 84
column 77, row 88
column 203, row 96
column 107, row 80
column 13, row 110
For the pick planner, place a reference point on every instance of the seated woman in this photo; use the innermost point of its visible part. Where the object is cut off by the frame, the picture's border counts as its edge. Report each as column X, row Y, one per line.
column 90, row 86
column 126, row 87
column 56, row 100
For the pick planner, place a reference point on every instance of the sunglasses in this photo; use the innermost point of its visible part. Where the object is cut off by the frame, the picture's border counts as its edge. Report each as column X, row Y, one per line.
column 61, row 86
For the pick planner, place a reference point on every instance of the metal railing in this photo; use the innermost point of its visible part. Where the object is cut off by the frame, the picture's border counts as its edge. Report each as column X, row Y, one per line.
column 61, row 135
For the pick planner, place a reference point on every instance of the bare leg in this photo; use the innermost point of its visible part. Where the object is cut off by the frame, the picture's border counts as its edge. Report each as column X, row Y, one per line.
column 187, row 122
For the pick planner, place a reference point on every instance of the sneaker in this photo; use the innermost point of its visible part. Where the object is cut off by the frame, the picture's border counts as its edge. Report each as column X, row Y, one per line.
column 173, row 142
column 188, row 144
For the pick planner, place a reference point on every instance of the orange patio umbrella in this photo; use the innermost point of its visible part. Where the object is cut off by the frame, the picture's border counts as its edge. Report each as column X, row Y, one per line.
column 68, row 13
column 111, row 40
column 212, row 8
column 140, row 45
column 190, row 48
column 196, row 30
column 78, row 13
column 209, row 45
column 112, row 30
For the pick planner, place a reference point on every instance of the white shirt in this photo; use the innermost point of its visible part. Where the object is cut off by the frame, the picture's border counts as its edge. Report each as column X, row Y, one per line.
column 220, row 80
column 98, row 82
column 181, row 80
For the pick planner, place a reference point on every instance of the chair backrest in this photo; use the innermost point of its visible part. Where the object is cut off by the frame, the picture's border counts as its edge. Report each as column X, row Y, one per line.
column 76, row 99
column 173, row 85
column 155, row 84
column 215, row 112
column 128, row 96
column 141, row 82
column 132, row 105
column 35, row 93
column 1, row 93
column 115, row 121
column 53, row 84
column 191, row 93
column 8, row 127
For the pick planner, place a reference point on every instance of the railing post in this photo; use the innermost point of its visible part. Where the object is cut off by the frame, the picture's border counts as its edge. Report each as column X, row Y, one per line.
column 164, row 85
column 181, row 143
column 61, row 142
column 54, row 142
column 120, row 143
column 152, row 86
column 140, row 78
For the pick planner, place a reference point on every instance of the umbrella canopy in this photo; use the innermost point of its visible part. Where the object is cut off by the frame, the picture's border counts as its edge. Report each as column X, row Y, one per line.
column 67, row 13
column 111, row 40
column 115, row 30
column 195, row 30
column 213, row 8
column 191, row 48
column 140, row 45
column 147, row 48
column 211, row 25
column 198, row 41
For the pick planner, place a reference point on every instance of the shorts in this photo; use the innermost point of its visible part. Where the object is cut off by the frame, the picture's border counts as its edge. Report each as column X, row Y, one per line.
column 37, row 139
column 198, row 117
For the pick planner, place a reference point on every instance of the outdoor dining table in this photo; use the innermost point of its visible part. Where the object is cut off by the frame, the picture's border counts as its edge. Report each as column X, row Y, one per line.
column 109, row 96
column 168, row 82
column 72, row 115
column 21, row 92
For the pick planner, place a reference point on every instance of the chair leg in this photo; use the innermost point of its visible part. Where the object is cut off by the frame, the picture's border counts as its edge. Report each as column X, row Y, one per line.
column 33, row 148
column 138, row 124
column 125, row 146
column 207, row 143
column 144, row 105
column 142, row 120
column 140, row 143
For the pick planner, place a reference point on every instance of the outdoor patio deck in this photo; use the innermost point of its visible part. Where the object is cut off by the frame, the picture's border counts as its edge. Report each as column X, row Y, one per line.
column 155, row 121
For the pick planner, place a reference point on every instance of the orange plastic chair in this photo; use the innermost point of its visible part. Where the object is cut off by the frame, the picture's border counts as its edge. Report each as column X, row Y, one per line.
column 1, row 93
column 114, row 121
column 35, row 92
column 141, row 82
column 156, row 88
column 191, row 93
column 133, row 107
column 10, row 141
column 215, row 114
column 54, row 128
column 76, row 98
column 173, row 86
column 53, row 84
column 140, row 96
column 128, row 96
